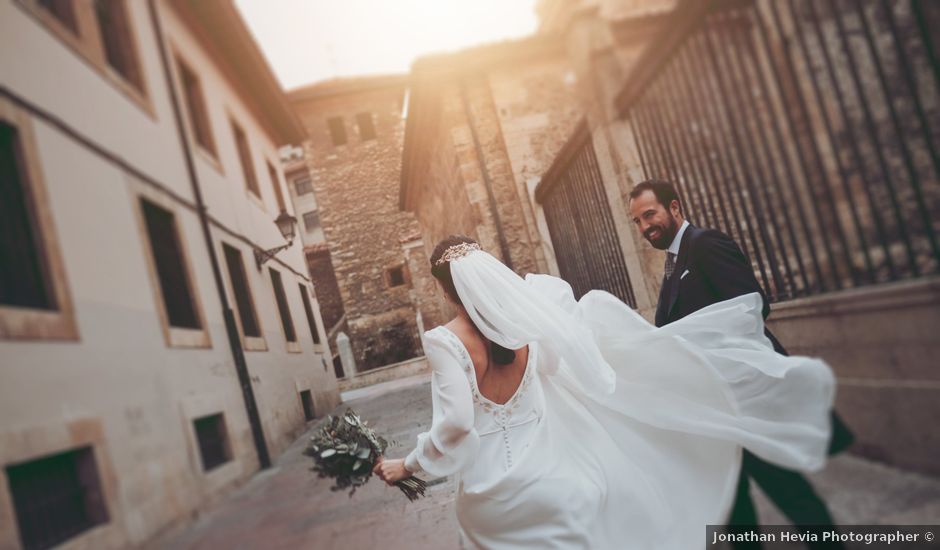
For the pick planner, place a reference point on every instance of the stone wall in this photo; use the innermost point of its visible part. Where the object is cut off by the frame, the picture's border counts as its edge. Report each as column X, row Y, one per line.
column 482, row 135
column 356, row 187
column 882, row 343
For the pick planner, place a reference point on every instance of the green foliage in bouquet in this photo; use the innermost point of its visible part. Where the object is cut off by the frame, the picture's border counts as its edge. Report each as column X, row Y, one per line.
column 346, row 450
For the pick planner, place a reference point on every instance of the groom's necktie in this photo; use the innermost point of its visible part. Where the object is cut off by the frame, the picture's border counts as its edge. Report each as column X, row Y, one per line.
column 670, row 265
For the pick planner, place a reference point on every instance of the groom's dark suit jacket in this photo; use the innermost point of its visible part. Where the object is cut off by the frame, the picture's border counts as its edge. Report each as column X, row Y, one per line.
column 710, row 268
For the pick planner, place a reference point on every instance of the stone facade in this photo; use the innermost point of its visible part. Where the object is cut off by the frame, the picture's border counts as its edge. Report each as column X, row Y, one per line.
column 354, row 158
column 482, row 125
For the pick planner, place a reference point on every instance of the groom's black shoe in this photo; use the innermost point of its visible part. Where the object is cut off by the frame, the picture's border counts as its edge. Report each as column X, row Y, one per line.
column 790, row 492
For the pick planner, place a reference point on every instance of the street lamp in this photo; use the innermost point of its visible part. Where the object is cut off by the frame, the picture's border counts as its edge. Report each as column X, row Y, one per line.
column 287, row 225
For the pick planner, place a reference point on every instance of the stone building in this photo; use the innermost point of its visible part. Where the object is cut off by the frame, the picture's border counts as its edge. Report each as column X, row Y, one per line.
column 483, row 125
column 149, row 364
column 807, row 133
column 353, row 153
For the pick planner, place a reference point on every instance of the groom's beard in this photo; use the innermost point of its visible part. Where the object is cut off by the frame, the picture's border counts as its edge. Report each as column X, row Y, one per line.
column 665, row 234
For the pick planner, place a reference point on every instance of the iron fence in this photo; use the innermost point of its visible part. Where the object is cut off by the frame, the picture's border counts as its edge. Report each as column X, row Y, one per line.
column 805, row 129
column 581, row 225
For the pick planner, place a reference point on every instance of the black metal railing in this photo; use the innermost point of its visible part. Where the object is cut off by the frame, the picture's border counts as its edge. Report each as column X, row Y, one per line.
column 580, row 222
column 806, row 129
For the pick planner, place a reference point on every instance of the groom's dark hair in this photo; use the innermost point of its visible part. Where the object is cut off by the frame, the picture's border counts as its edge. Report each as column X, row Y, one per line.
column 665, row 192
column 501, row 355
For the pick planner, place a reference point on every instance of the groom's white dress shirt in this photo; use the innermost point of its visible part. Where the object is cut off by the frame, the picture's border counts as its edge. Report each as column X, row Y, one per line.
column 677, row 240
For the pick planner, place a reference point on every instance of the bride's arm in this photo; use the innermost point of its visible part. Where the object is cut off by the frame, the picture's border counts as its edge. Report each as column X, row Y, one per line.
column 451, row 443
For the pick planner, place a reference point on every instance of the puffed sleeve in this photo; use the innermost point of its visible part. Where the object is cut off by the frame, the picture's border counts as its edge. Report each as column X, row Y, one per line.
column 452, row 443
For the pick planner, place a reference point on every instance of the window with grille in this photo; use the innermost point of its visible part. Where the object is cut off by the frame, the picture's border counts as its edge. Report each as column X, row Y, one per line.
column 213, row 440
column 243, row 302
column 56, row 498
column 308, row 309
column 276, row 186
column 244, row 157
column 337, row 130
column 63, row 11
column 303, row 186
column 366, row 127
column 196, row 108
column 169, row 263
column 395, row 276
column 306, row 400
column 24, row 275
column 281, row 298
column 119, row 49
column 311, row 221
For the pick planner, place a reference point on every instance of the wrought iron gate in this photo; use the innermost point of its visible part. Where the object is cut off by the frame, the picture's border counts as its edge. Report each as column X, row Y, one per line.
column 580, row 222
column 806, row 129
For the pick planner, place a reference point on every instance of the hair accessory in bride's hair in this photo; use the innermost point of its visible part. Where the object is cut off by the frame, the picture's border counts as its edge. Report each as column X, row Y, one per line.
column 457, row 251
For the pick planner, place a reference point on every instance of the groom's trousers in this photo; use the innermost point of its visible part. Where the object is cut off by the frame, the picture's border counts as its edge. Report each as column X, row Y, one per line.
column 789, row 491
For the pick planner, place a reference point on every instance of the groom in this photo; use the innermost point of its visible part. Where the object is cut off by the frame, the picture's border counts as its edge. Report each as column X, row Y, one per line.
column 705, row 266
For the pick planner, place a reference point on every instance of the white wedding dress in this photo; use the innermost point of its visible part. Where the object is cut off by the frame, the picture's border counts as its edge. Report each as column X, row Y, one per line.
column 620, row 435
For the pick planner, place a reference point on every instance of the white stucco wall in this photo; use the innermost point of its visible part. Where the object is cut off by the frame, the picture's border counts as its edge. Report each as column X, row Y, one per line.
column 120, row 387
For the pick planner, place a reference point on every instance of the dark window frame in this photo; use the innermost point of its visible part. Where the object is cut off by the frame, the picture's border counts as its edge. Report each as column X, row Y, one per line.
column 306, row 182
column 283, row 308
column 306, row 403
column 366, row 125
column 57, row 497
column 311, row 317
column 172, row 274
column 308, row 227
column 241, row 290
column 197, row 110
column 212, row 438
column 117, row 41
column 337, row 128
column 244, row 158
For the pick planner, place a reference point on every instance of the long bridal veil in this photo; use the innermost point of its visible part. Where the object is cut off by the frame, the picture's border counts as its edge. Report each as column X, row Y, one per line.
column 648, row 422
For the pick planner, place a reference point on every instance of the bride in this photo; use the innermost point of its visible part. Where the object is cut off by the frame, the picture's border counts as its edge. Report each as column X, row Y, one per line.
column 577, row 424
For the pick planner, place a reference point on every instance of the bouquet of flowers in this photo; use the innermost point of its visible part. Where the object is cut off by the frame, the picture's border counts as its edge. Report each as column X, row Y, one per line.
column 346, row 450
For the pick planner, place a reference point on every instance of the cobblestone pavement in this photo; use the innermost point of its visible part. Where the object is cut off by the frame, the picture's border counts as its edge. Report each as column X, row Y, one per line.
column 289, row 507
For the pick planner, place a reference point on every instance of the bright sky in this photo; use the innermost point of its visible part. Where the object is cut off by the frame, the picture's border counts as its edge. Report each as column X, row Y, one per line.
column 311, row 40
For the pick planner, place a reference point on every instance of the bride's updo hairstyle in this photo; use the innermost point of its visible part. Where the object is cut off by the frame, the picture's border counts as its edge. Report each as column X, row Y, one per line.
column 501, row 355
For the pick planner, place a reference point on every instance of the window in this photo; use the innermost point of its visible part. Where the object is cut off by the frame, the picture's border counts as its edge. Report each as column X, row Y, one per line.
column 276, row 185
column 24, row 280
column 366, row 128
column 303, row 185
column 337, row 130
column 395, row 276
column 244, row 156
column 34, row 296
column 213, row 441
column 102, row 33
column 57, row 497
column 308, row 309
column 306, row 401
column 63, row 11
column 282, row 306
column 242, row 292
column 312, row 221
column 119, row 49
column 196, row 108
column 169, row 263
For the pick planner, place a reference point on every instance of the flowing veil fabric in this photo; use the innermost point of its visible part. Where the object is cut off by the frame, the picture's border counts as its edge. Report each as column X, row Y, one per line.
column 640, row 439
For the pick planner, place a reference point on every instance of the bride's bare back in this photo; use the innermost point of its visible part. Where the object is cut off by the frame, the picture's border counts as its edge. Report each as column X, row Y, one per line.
column 498, row 383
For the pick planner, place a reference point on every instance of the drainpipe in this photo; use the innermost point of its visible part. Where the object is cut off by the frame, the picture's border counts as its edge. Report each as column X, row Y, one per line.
column 487, row 182
column 231, row 329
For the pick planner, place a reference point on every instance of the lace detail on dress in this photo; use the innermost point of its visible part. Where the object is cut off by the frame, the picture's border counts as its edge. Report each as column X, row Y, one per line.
column 486, row 404
column 502, row 417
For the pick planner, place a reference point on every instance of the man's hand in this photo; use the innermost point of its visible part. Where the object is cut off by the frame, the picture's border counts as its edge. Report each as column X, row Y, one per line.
column 391, row 471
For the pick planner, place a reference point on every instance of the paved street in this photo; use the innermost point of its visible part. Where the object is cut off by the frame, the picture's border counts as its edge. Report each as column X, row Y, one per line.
column 289, row 507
